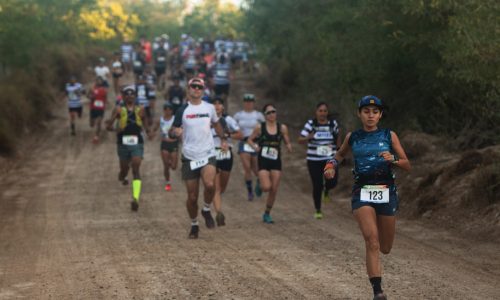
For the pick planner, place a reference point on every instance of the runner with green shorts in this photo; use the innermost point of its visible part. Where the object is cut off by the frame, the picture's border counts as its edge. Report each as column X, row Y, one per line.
column 130, row 140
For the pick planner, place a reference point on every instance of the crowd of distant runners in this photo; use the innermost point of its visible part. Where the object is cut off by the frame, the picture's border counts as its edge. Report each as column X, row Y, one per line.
column 192, row 81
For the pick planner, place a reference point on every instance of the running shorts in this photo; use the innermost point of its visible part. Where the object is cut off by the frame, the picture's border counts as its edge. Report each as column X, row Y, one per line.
column 188, row 174
column 384, row 209
column 126, row 152
column 78, row 110
column 169, row 146
column 269, row 164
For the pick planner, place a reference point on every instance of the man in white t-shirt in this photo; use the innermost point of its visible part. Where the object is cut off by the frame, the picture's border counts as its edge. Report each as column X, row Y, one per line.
column 101, row 70
column 194, row 121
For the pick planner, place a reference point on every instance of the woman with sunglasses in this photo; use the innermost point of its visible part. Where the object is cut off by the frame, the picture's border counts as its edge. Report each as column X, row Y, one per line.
column 269, row 134
column 322, row 136
column 247, row 119
column 376, row 152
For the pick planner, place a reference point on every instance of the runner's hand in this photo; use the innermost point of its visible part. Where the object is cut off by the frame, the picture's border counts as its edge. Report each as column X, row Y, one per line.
column 329, row 171
column 387, row 156
column 224, row 146
column 289, row 148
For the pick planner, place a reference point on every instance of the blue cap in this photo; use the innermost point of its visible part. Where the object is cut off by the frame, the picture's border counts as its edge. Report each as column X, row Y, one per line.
column 370, row 100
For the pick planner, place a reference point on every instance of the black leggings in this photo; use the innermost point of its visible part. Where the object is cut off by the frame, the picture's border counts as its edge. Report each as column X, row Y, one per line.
column 316, row 172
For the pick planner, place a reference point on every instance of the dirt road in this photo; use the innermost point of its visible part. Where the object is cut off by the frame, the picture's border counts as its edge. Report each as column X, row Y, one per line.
column 67, row 232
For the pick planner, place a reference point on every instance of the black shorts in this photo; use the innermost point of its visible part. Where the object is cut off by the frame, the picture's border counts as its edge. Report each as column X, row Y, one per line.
column 78, row 110
column 225, row 164
column 169, row 146
column 221, row 89
column 188, row 173
column 96, row 113
column 117, row 75
column 269, row 164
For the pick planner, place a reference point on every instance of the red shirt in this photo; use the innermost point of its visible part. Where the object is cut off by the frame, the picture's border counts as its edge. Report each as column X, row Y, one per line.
column 99, row 96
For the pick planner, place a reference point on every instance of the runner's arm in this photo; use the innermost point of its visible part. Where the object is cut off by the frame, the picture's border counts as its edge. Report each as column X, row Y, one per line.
column 255, row 133
column 109, row 122
column 399, row 159
column 331, row 165
column 286, row 137
column 306, row 134
column 220, row 132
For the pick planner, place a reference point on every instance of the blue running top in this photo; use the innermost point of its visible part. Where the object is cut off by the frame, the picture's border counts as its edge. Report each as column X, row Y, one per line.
column 369, row 166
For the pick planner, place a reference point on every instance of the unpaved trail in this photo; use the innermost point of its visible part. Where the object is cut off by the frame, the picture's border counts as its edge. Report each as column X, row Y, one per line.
column 67, row 232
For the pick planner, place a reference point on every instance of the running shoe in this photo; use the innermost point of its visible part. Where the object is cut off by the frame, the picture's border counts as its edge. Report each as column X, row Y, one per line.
column 134, row 205
column 266, row 218
column 326, row 197
column 318, row 215
column 258, row 190
column 209, row 220
column 193, row 234
column 124, row 180
column 380, row 296
column 250, row 196
column 220, row 219
column 168, row 187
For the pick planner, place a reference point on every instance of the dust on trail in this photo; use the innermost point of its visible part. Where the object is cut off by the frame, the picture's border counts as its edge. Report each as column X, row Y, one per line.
column 66, row 231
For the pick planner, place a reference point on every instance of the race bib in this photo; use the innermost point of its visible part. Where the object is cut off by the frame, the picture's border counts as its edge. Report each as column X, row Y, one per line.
column 191, row 61
column 73, row 96
column 222, row 155
column 221, row 73
column 270, row 153
column 375, row 194
column 99, row 103
column 130, row 140
column 323, row 135
column 324, row 150
column 141, row 93
column 196, row 164
column 248, row 148
column 161, row 58
column 137, row 64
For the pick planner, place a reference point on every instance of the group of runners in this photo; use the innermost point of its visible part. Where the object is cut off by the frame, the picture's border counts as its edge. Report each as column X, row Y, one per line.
column 195, row 121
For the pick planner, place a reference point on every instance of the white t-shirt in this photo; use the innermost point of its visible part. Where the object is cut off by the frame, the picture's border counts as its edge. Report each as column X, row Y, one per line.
column 248, row 121
column 102, row 72
column 196, row 122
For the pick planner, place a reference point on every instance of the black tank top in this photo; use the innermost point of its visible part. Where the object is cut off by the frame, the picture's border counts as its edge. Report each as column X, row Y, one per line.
column 270, row 140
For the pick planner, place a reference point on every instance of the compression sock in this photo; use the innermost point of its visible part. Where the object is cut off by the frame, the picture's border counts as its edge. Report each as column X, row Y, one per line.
column 136, row 189
column 268, row 209
column 249, row 185
column 206, row 207
column 376, row 285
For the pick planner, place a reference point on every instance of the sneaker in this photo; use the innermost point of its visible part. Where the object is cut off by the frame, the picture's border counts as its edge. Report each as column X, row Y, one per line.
column 258, row 190
column 168, row 187
column 380, row 296
column 193, row 234
column 318, row 215
column 266, row 218
column 134, row 205
column 326, row 197
column 209, row 220
column 124, row 180
column 220, row 219
column 250, row 196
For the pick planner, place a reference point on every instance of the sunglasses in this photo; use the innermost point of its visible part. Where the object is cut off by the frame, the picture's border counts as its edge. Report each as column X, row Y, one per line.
column 129, row 93
column 269, row 112
column 196, row 86
column 322, row 110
